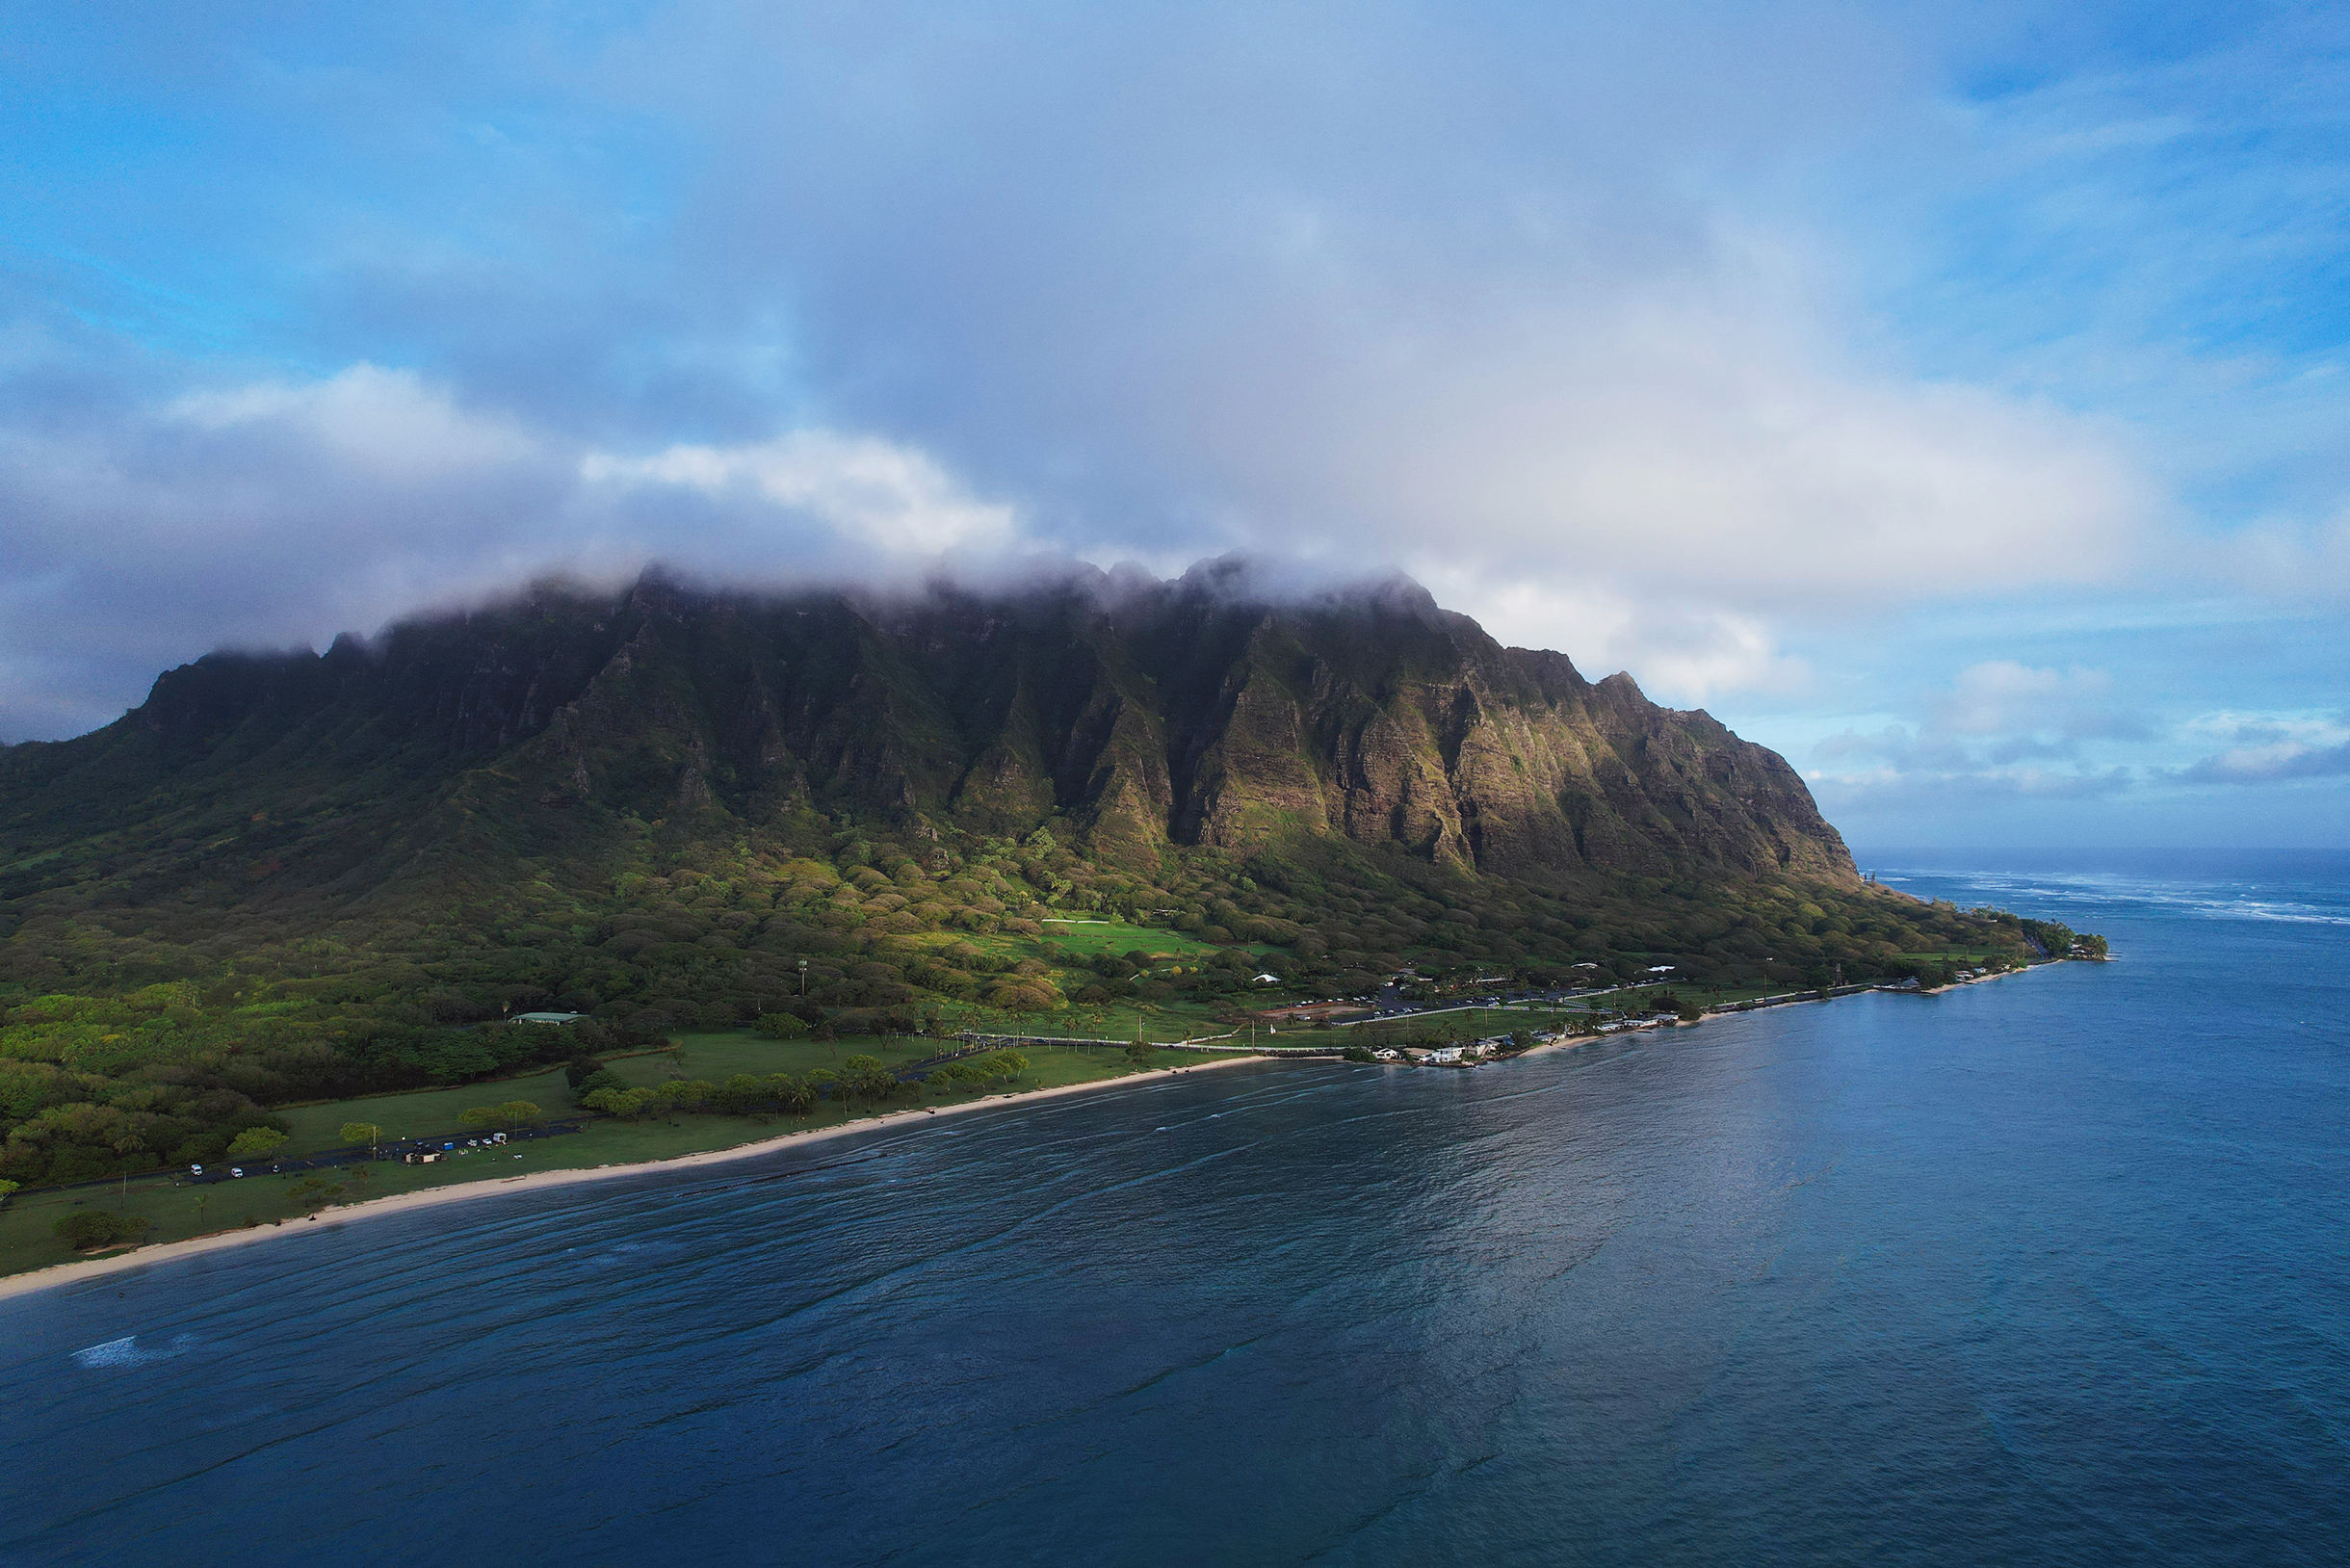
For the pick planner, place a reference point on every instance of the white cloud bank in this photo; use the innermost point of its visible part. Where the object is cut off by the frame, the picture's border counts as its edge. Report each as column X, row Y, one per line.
column 2264, row 748
column 2001, row 731
column 1577, row 314
column 870, row 494
column 282, row 512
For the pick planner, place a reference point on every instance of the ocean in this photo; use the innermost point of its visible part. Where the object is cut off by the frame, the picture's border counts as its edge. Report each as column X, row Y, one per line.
column 2049, row 1270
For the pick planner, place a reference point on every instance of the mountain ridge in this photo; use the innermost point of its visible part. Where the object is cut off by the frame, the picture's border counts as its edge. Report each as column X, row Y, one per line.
column 1198, row 712
column 1094, row 803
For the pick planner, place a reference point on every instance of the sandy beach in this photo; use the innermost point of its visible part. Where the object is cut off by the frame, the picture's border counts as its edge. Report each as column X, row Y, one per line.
column 1565, row 1042
column 81, row 1268
column 115, row 1263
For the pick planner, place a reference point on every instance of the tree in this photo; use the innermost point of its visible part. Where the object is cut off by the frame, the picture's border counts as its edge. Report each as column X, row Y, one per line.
column 685, row 1094
column 97, row 1228
column 579, row 1070
column 255, row 1141
column 360, row 1131
column 780, row 1026
column 514, row 1112
column 1141, row 1053
column 865, row 1075
column 603, row 1077
column 630, row 1103
column 482, row 1115
column 6, row 1187
column 313, row 1192
column 796, row 1095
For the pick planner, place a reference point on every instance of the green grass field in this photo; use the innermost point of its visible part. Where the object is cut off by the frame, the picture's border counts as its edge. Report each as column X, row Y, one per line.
column 715, row 1056
column 1158, row 1022
column 1086, row 939
column 179, row 1212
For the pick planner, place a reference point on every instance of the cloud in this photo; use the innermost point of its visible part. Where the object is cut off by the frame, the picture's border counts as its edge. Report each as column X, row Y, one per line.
column 1986, row 739
column 869, row 492
column 2269, row 748
column 280, row 511
column 1891, row 791
column 1500, row 298
column 1482, row 297
column 2003, row 697
column 379, row 422
column 2270, row 764
column 1683, row 651
column 1723, row 346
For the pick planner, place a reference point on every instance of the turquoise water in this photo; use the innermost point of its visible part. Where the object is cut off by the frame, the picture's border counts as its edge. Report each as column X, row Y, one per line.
column 2046, row 1271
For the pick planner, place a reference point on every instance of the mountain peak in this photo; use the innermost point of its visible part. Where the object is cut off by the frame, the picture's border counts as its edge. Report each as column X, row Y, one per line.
column 1241, row 706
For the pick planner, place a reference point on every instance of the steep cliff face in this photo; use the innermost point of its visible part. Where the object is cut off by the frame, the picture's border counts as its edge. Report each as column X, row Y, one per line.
column 1135, row 714
column 1382, row 718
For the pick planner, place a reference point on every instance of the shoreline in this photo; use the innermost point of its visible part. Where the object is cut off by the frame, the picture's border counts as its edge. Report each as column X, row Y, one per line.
column 1563, row 1043
column 1570, row 1042
column 140, row 1257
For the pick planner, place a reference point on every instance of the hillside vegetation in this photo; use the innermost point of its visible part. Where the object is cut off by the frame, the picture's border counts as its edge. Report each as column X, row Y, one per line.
column 289, row 878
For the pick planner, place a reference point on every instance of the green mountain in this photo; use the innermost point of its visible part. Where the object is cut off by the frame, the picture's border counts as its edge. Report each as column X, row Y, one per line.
column 299, row 875
column 1133, row 715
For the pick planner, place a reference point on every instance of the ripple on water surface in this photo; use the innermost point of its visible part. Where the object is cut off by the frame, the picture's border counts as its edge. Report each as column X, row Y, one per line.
column 2040, row 1271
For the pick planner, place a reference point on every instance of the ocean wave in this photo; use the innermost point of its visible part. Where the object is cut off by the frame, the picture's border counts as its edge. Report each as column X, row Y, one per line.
column 2228, row 900
column 127, row 1352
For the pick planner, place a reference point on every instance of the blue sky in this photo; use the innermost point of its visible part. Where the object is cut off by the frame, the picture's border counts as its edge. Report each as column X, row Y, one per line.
column 1952, row 401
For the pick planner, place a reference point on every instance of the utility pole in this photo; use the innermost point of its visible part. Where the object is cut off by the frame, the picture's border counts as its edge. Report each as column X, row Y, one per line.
column 804, row 978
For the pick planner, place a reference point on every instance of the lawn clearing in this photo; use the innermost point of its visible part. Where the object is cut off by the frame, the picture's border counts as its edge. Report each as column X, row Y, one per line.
column 1158, row 1022
column 1085, row 939
column 316, row 1128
